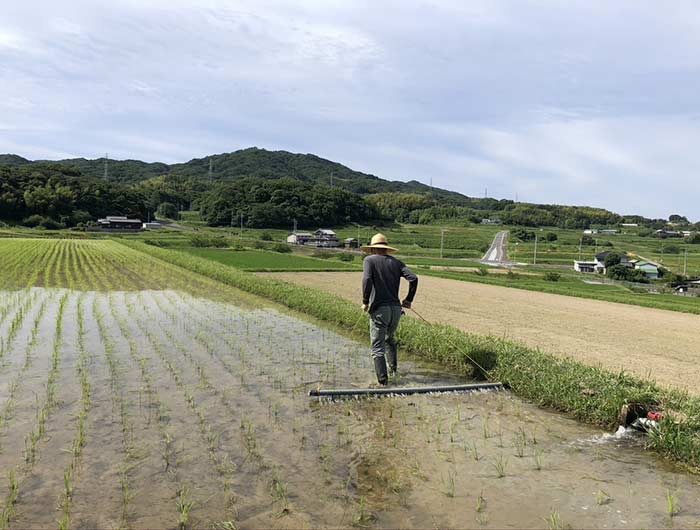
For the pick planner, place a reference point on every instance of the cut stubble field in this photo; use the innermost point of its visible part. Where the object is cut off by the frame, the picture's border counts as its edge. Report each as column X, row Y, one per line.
column 136, row 394
column 651, row 343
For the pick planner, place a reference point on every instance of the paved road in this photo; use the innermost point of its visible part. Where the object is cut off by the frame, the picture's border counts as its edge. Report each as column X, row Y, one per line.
column 498, row 252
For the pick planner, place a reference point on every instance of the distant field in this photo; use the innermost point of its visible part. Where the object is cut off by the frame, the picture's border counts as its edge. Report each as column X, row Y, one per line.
column 566, row 249
column 262, row 260
column 571, row 285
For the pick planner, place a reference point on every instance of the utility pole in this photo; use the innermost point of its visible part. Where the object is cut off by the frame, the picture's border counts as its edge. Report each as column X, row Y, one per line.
column 106, row 172
column 580, row 244
column 534, row 259
column 241, row 224
column 685, row 262
column 442, row 241
column 295, row 227
column 331, row 179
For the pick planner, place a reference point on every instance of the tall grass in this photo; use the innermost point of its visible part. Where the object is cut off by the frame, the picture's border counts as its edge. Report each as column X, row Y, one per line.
column 592, row 394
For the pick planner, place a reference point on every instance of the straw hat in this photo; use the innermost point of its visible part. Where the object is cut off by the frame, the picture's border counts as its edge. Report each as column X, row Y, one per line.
column 379, row 241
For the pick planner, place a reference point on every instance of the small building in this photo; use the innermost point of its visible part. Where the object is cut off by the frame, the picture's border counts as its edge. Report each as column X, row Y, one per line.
column 117, row 222
column 494, row 221
column 299, row 238
column 152, row 226
column 630, row 225
column 650, row 270
column 608, row 232
column 590, row 231
column 586, row 266
column 663, row 233
column 351, row 242
column 326, row 238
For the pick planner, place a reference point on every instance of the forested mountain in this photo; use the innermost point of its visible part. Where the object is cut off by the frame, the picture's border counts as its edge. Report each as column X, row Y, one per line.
column 251, row 162
column 268, row 188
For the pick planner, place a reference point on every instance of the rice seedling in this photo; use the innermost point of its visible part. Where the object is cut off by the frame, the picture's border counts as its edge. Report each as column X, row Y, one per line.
column 602, row 497
column 485, row 427
column 539, row 458
column 519, row 443
column 363, row 518
column 472, row 449
column 184, row 507
column 480, row 503
column 554, row 521
column 672, row 507
column 499, row 464
column 278, row 491
column 448, row 485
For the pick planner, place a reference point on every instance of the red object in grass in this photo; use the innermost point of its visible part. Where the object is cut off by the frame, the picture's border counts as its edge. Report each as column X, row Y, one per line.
column 656, row 416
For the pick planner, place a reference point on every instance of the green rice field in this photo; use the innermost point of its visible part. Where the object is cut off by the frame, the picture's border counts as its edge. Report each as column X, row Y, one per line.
column 138, row 393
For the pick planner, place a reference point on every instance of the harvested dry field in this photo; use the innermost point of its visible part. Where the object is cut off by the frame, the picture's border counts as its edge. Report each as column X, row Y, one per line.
column 662, row 345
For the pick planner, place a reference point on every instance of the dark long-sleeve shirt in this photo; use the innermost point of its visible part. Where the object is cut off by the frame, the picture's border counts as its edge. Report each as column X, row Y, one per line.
column 381, row 279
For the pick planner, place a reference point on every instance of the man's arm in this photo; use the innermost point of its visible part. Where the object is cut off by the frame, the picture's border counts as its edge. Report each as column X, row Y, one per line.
column 367, row 283
column 412, row 285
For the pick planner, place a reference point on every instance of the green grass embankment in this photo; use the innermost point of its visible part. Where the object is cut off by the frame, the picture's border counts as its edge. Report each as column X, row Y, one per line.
column 591, row 394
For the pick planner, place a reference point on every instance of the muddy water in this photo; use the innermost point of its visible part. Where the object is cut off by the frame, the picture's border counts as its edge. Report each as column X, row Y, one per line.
column 204, row 415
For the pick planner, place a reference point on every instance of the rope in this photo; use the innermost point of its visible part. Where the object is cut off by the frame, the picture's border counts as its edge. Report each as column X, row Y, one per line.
column 486, row 374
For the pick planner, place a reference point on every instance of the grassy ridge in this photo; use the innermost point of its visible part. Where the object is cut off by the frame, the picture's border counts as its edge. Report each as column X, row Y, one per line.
column 591, row 394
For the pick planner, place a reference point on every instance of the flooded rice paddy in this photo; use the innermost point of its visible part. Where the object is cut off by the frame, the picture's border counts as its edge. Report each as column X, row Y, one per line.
column 159, row 409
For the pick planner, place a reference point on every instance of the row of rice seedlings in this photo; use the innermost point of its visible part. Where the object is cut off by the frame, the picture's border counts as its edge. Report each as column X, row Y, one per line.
column 45, row 276
column 16, row 323
column 80, row 438
column 32, row 439
column 16, row 383
column 11, row 299
column 222, row 462
column 120, row 402
column 54, row 273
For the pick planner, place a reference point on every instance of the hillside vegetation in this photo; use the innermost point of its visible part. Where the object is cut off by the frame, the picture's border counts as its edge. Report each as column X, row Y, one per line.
column 266, row 188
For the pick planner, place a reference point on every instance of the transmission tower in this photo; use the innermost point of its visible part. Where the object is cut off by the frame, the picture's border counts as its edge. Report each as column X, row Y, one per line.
column 211, row 171
column 106, row 172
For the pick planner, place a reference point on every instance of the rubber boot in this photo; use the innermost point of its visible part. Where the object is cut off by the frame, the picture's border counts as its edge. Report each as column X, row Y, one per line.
column 391, row 361
column 380, row 369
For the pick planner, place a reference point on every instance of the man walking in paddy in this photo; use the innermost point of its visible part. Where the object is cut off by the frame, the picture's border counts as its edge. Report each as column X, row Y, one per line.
column 381, row 278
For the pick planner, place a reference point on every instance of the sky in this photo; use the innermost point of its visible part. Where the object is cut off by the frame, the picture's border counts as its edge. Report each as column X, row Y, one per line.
column 586, row 102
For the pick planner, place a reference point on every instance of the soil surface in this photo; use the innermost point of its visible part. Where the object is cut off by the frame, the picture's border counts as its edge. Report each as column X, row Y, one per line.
column 651, row 343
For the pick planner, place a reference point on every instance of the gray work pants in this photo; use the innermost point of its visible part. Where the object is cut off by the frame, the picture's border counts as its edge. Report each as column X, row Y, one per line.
column 383, row 323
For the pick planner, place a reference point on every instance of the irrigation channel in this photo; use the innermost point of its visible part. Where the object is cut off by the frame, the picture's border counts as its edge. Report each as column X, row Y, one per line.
column 148, row 409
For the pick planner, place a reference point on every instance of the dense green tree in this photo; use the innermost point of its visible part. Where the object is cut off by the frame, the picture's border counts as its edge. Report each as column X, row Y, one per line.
column 613, row 259
column 167, row 210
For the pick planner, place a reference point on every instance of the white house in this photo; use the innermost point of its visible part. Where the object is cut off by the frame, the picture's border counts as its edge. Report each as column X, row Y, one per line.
column 299, row 238
column 586, row 266
column 590, row 231
column 323, row 237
